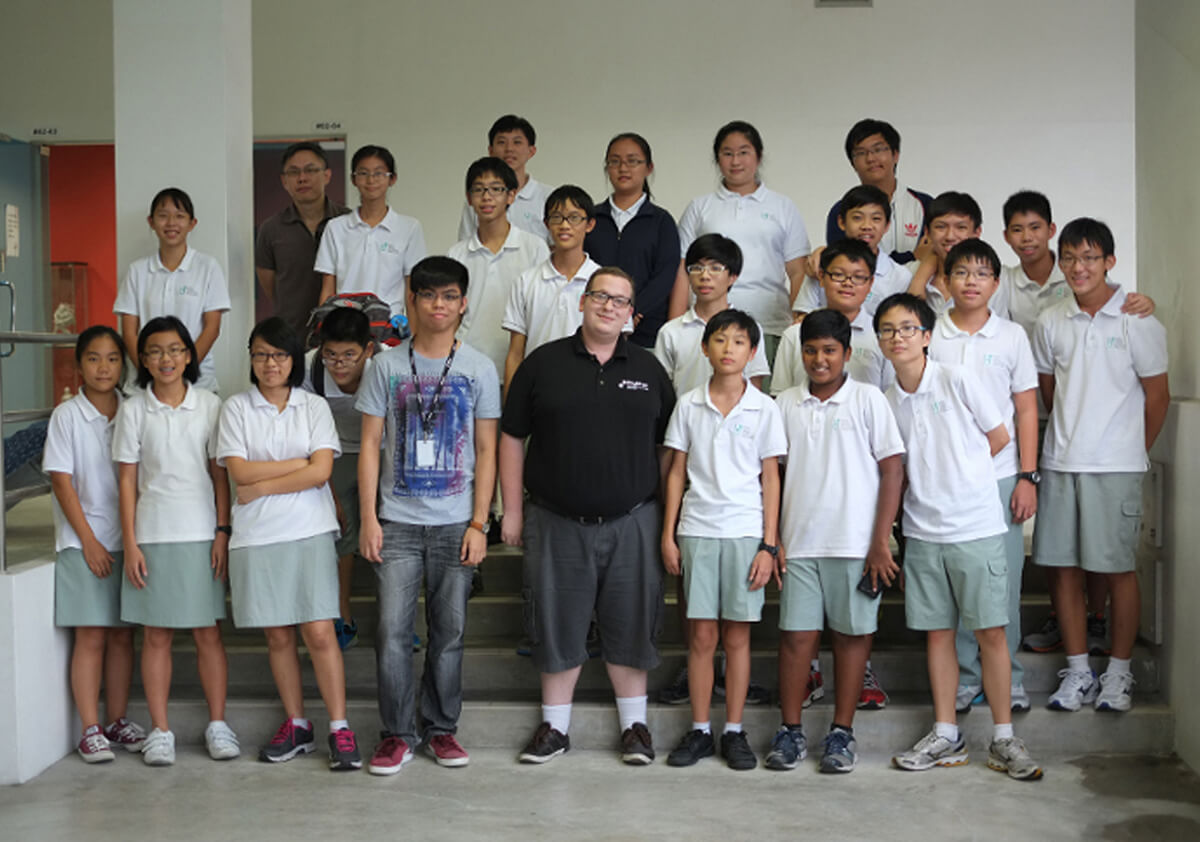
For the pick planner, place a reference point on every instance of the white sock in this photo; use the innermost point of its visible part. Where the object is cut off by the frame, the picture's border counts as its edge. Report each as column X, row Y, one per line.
column 1078, row 663
column 949, row 730
column 631, row 709
column 706, row 727
column 733, row 728
column 816, row 664
column 1119, row 666
column 559, row 716
column 301, row 722
column 1002, row 731
column 336, row 725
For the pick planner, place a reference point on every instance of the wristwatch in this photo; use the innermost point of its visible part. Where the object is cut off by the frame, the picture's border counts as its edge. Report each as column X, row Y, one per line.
column 763, row 546
column 228, row 530
column 482, row 527
column 1032, row 476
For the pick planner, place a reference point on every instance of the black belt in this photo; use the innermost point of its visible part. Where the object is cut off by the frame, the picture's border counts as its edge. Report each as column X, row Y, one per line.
column 593, row 520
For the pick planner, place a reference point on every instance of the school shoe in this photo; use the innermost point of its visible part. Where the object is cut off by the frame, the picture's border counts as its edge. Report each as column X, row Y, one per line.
column 756, row 694
column 735, row 748
column 159, row 748
column 692, row 748
column 637, row 747
column 788, row 747
column 525, row 646
column 545, row 744
column 676, row 693
column 872, row 696
column 1019, row 699
column 932, row 750
column 1097, row 635
column 814, row 690
column 289, row 740
column 347, row 633
column 447, row 751
column 94, row 746
column 839, row 752
column 1046, row 639
column 391, row 755
column 1077, row 688
column 128, row 735
column 1116, row 692
column 967, row 695
column 1010, row 756
column 221, row 742
column 343, row 751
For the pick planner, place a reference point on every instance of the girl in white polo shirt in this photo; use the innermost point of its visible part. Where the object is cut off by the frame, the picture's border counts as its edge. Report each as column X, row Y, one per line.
column 87, row 537
column 278, row 442
column 174, row 503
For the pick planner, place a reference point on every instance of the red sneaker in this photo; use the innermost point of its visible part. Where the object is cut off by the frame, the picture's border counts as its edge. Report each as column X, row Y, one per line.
column 94, row 747
column 814, row 691
column 390, row 756
column 447, row 751
column 872, row 696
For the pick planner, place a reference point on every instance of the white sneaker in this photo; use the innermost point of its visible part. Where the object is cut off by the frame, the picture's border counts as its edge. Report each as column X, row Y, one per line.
column 932, row 750
column 222, row 743
column 1115, row 692
column 965, row 696
column 1078, row 688
column 1019, row 699
column 159, row 748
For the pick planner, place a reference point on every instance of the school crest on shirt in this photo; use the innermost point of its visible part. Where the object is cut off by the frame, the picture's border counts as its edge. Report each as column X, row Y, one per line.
column 184, row 289
column 388, row 248
column 1115, row 343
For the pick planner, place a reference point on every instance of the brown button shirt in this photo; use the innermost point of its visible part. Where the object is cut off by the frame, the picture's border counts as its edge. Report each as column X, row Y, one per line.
column 286, row 247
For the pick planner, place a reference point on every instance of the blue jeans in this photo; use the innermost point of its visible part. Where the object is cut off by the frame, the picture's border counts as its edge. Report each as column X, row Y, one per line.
column 411, row 553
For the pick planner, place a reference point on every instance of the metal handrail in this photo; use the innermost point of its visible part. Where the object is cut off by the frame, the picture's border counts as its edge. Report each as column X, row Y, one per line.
column 16, row 416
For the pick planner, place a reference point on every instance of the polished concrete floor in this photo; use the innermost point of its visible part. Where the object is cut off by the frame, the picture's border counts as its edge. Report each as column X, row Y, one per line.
column 589, row 795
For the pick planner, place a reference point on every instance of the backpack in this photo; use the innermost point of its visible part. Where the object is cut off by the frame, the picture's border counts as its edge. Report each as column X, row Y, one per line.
column 386, row 330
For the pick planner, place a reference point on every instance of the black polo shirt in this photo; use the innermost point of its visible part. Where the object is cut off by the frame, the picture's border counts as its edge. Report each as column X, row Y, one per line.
column 592, row 428
column 286, row 246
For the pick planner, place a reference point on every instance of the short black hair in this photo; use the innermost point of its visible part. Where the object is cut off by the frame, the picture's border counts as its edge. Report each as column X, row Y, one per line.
column 1086, row 230
column 854, row 250
column 90, row 335
column 167, row 324
column 579, row 197
column 954, row 202
column 906, row 301
column 494, row 166
column 973, row 249
column 642, row 144
column 616, row 272
column 733, row 318
column 303, row 146
column 435, row 272
column 279, row 334
column 865, row 194
column 1027, row 201
column 512, row 123
column 716, row 247
column 179, row 198
column 825, row 324
column 863, row 129
column 740, row 127
column 346, row 324
column 371, row 151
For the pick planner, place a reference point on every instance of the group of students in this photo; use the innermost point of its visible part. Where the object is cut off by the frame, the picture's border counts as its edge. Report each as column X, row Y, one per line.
column 908, row 369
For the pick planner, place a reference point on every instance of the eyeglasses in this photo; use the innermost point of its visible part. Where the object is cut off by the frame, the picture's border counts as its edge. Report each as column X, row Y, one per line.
column 699, row 269
column 571, row 218
column 430, row 296
column 375, row 175
column 346, row 358
column 1088, row 260
column 619, row 302
column 841, row 278
column 156, row 354
column 978, row 274
column 496, row 190
column 312, row 171
column 878, row 151
column 904, row 332
column 617, row 163
column 280, row 357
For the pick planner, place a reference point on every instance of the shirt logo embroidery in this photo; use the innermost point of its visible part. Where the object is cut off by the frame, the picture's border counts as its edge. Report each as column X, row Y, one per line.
column 184, row 289
column 634, row 385
column 938, row 407
column 742, row 430
column 1116, row 343
column 910, row 229
column 989, row 359
column 388, row 248
column 842, row 425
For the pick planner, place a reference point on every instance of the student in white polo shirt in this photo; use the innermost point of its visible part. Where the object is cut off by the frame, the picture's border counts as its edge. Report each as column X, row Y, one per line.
column 840, row 498
column 496, row 253
column 727, row 438
column 278, row 443
column 997, row 352
column 1103, row 376
column 952, row 217
column 175, row 281
column 513, row 140
column 765, row 224
column 954, row 565
column 374, row 248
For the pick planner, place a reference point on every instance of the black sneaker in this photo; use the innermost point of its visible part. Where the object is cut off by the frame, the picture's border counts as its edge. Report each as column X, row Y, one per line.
column 735, row 748
column 637, row 748
column 546, row 744
column 675, row 693
column 756, row 694
column 695, row 746
column 343, row 751
column 288, row 741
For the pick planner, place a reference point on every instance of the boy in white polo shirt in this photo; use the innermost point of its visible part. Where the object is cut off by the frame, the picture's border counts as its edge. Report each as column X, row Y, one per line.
column 1103, row 377
column 954, row 563
column 952, row 218
column 495, row 253
column 844, row 452
column 997, row 352
column 374, row 248
column 513, row 140
column 726, row 437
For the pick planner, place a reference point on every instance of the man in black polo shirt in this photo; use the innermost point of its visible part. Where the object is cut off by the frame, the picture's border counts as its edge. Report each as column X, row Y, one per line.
column 594, row 408
column 287, row 242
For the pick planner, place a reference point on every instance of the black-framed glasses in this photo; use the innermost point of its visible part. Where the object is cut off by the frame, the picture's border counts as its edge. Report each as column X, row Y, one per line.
column 904, row 332
column 620, row 302
column 496, row 190
column 311, row 171
column 261, row 357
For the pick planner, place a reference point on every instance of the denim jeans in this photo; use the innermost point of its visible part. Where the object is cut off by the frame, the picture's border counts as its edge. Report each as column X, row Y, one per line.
column 411, row 553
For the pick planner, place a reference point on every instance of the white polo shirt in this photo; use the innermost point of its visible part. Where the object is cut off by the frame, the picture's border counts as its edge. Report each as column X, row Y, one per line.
column 172, row 448
column 196, row 287
column 936, row 301
column 366, row 259
column 543, row 304
column 724, row 466
column 526, row 212
column 951, row 496
column 491, row 281
column 834, row 448
column 1098, row 423
column 621, row 216
column 890, row 278
column 79, row 443
column 867, row 363
column 769, row 230
column 253, row 429
column 1000, row 356
column 1022, row 300
column 346, row 418
column 677, row 347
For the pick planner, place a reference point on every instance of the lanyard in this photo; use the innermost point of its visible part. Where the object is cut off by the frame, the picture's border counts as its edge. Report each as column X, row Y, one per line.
column 436, row 402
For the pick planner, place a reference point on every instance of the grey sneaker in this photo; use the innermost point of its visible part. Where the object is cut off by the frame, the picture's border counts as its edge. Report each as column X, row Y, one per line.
column 158, row 749
column 839, row 752
column 788, row 747
column 1019, row 699
column 932, row 750
column 1116, row 692
column 1011, row 756
column 1097, row 635
column 1046, row 639
column 1077, row 688
column 967, row 695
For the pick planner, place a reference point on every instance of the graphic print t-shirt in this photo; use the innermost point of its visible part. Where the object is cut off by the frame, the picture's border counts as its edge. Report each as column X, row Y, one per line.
column 427, row 471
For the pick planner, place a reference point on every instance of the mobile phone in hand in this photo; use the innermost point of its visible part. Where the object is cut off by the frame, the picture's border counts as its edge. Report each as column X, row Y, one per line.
column 865, row 586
